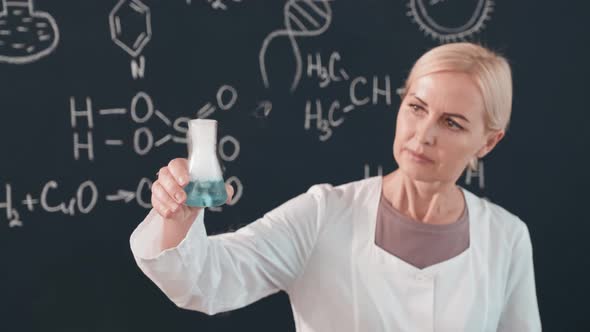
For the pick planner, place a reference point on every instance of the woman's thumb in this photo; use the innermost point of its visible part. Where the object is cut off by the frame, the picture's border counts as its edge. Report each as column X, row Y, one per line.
column 230, row 193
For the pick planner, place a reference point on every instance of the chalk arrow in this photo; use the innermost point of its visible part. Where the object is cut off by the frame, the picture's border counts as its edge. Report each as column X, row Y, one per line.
column 125, row 195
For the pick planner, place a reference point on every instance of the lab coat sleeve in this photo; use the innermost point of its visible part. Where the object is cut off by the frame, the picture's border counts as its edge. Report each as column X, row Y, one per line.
column 227, row 271
column 521, row 311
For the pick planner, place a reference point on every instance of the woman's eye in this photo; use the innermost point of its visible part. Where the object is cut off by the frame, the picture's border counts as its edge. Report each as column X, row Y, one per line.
column 415, row 108
column 453, row 124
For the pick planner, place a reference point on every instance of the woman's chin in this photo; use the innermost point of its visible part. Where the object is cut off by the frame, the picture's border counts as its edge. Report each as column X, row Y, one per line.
column 419, row 173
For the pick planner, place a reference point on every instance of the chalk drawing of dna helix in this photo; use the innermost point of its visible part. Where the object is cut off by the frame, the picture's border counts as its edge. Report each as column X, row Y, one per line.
column 303, row 18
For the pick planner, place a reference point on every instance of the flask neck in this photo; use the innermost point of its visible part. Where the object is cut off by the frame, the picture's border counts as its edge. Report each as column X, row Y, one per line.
column 202, row 136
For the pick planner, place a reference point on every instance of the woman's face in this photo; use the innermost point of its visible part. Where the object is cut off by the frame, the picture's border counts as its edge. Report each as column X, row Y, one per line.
column 442, row 118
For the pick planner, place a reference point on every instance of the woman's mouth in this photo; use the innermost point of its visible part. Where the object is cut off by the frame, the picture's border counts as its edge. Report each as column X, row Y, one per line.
column 419, row 157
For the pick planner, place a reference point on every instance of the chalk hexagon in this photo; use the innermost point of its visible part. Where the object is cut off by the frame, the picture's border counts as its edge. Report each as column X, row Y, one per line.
column 130, row 23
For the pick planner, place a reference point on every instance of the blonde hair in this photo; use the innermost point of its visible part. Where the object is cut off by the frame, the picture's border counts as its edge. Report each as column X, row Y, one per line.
column 490, row 71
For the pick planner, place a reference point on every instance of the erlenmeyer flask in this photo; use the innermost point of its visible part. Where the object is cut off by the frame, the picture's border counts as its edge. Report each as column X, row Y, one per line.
column 206, row 186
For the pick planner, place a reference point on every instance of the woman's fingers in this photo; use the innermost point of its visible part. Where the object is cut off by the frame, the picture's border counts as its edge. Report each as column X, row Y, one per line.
column 164, row 209
column 173, row 189
column 162, row 194
column 178, row 169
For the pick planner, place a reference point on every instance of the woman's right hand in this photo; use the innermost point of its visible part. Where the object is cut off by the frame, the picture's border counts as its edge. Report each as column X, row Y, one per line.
column 168, row 196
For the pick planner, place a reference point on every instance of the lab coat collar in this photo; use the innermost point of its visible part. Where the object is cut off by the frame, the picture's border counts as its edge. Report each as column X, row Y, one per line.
column 474, row 209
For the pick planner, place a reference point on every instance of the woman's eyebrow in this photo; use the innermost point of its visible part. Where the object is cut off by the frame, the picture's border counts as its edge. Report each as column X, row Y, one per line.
column 450, row 114
column 422, row 101
column 458, row 115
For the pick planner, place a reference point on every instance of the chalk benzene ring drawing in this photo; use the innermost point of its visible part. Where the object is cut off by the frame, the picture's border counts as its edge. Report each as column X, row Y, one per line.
column 116, row 31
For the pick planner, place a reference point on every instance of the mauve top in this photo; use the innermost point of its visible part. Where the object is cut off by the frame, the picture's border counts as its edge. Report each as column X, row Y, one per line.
column 418, row 243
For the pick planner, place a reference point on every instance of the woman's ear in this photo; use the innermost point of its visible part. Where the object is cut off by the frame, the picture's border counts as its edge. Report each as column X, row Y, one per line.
column 493, row 137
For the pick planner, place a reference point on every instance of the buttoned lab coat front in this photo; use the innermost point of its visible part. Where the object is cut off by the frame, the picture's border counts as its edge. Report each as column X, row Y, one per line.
column 319, row 247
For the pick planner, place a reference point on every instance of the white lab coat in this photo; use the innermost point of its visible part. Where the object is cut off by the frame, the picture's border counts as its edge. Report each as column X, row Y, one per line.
column 319, row 248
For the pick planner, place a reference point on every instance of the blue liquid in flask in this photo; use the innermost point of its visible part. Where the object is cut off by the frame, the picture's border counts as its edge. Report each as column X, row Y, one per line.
column 205, row 193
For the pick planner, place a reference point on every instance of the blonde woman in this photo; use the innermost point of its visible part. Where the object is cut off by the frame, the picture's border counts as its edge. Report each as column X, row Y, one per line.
column 409, row 251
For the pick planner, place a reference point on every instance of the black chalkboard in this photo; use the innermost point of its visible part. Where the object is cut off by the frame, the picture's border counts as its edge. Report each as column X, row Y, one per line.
column 95, row 95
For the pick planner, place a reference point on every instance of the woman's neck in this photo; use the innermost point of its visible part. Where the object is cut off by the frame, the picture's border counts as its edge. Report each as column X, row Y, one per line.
column 428, row 202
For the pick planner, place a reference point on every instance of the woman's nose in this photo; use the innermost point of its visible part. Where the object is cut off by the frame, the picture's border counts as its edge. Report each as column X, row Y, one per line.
column 426, row 132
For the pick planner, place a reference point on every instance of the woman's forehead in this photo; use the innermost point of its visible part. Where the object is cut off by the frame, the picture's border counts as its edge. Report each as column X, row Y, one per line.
column 448, row 92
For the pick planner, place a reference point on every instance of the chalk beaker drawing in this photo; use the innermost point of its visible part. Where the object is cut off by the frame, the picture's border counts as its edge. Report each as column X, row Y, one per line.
column 206, row 187
column 26, row 35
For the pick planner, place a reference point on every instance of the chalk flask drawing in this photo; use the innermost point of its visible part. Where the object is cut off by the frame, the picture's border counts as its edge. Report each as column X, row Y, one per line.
column 206, row 187
column 26, row 35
